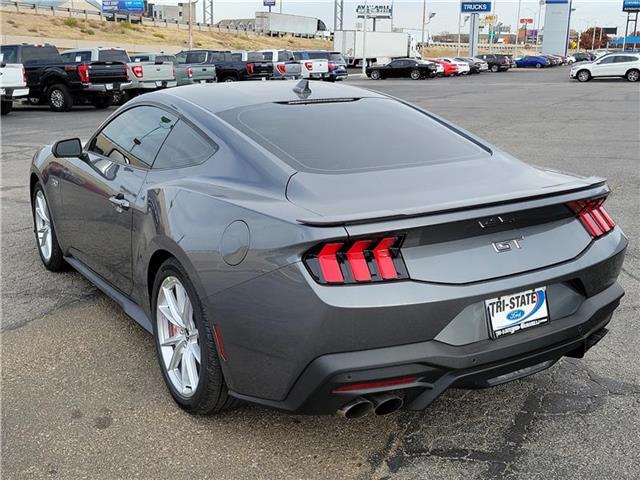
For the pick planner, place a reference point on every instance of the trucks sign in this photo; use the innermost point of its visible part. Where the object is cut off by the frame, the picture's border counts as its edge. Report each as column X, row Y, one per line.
column 631, row 6
column 475, row 7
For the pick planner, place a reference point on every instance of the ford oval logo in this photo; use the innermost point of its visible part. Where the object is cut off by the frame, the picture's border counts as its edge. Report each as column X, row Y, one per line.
column 515, row 314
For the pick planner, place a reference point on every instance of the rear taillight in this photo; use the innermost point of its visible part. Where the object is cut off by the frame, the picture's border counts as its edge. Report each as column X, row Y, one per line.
column 332, row 67
column 174, row 71
column 308, row 65
column 357, row 261
column 282, row 68
column 137, row 71
column 24, row 74
column 190, row 72
column 83, row 73
column 250, row 67
column 593, row 216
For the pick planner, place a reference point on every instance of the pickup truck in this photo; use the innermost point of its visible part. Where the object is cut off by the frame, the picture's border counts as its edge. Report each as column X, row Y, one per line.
column 285, row 66
column 314, row 68
column 191, row 67
column 144, row 76
column 13, row 84
column 62, row 84
column 229, row 65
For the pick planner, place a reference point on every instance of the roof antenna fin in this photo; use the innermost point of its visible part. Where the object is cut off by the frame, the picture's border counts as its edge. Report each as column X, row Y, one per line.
column 302, row 89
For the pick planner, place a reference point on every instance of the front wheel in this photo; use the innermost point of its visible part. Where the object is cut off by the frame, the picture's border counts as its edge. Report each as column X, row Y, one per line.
column 185, row 344
column 415, row 75
column 538, row 65
column 60, row 100
column 375, row 75
column 7, row 106
column 583, row 76
column 633, row 75
column 494, row 68
column 46, row 239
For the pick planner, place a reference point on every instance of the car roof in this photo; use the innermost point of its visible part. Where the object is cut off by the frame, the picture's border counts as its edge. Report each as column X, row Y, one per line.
column 220, row 97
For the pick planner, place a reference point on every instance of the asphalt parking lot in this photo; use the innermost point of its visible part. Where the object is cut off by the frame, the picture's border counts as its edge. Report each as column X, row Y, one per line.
column 82, row 396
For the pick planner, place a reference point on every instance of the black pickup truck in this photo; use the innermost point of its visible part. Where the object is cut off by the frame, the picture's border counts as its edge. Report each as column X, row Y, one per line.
column 61, row 84
column 230, row 66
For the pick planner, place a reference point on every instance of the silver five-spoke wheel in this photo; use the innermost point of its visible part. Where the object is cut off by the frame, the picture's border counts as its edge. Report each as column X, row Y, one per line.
column 43, row 226
column 178, row 336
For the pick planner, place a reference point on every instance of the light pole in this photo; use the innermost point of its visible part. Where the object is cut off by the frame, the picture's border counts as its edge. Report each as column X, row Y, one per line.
column 518, row 22
column 424, row 24
column 466, row 19
column 190, row 27
column 364, row 39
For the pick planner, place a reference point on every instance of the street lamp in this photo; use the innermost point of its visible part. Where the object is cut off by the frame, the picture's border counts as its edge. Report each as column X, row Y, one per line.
column 190, row 27
column 425, row 22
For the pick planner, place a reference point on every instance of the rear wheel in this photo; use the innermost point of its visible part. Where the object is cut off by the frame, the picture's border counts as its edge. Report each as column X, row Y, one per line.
column 583, row 76
column 7, row 106
column 633, row 75
column 375, row 75
column 494, row 68
column 229, row 78
column 415, row 75
column 47, row 242
column 59, row 98
column 538, row 65
column 185, row 344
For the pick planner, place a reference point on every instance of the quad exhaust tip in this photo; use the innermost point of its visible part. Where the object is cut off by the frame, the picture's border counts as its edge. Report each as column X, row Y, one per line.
column 382, row 404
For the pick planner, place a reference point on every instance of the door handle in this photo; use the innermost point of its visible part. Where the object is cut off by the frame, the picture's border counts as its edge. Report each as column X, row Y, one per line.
column 120, row 202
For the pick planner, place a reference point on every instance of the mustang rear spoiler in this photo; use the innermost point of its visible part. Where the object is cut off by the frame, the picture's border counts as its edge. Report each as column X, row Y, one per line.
column 592, row 187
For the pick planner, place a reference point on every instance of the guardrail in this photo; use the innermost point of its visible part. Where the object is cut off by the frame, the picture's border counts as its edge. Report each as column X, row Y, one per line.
column 26, row 7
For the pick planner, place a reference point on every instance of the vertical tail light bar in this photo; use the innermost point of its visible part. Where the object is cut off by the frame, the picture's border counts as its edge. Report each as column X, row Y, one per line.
column 250, row 67
column 593, row 216
column 83, row 73
column 364, row 260
column 24, row 74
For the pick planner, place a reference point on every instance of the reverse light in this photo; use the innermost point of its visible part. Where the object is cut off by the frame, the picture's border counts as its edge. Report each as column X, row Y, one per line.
column 376, row 384
column 357, row 261
column 282, row 68
column 83, row 73
column 137, row 71
column 308, row 65
column 593, row 216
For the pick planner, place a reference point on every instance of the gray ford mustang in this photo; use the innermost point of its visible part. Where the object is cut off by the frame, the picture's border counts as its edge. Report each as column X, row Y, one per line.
column 327, row 249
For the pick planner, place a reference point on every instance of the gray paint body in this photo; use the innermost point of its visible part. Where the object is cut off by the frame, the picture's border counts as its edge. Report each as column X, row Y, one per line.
column 275, row 319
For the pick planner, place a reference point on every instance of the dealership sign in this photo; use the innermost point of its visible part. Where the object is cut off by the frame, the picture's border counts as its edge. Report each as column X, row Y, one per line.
column 631, row 6
column 475, row 7
column 126, row 6
column 380, row 10
column 269, row 3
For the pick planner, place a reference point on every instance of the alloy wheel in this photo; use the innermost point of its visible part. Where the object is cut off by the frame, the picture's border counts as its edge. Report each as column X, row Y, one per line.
column 178, row 337
column 633, row 75
column 583, row 76
column 43, row 226
column 57, row 98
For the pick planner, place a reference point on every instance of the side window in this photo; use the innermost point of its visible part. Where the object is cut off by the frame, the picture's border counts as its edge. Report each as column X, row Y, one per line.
column 196, row 57
column 184, row 147
column 135, row 136
column 624, row 59
column 395, row 64
column 297, row 56
column 268, row 56
column 285, row 56
column 607, row 60
column 181, row 58
column 216, row 57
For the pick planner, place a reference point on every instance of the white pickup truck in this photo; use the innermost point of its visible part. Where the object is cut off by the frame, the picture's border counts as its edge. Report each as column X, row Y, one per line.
column 13, row 84
column 312, row 67
column 144, row 76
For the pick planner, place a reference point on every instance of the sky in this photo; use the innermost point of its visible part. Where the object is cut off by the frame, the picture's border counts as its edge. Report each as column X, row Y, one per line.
column 408, row 13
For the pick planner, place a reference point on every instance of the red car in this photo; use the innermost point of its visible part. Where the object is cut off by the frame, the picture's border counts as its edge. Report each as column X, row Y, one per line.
column 449, row 68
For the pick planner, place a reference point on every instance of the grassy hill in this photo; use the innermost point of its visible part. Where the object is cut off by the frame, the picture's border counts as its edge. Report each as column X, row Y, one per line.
column 29, row 24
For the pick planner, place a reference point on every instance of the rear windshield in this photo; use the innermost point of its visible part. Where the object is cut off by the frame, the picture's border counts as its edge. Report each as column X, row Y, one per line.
column 31, row 54
column 255, row 57
column 353, row 135
column 113, row 56
column 331, row 56
column 9, row 54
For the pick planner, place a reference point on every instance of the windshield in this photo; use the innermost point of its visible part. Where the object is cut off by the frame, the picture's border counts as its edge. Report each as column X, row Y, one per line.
column 364, row 134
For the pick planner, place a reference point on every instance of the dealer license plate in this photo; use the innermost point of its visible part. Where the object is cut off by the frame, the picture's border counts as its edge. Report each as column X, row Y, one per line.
column 513, row 313
column 109, row 86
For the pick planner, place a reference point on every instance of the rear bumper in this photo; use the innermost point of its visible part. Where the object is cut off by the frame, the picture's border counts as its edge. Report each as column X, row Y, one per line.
column 438, row 366
column 154, row 85
column 10, row 93
column 105, row 87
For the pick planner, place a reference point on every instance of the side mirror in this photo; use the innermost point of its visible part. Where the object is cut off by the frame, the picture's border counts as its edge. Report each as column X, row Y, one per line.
column 69, row 148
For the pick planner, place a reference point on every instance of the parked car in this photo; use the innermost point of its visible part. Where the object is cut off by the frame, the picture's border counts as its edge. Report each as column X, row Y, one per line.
column 496, row 62
column 554, row 60
column 403, row 68
column 626, row 65
column 580, row 57
column 312, row 68
column 13, row 84
column 229, row 66
column 536, row 61
column 60, row 83
column 190, row 68
column 337, row 64
column 449, row 69
column 285, row 66
column 413, row 259
column 464, row 68
column 145, row 76
column 476, row 65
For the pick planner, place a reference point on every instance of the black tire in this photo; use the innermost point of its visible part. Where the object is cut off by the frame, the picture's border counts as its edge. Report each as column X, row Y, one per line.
column 538, row 65
column 7, row 106
column 56, row 262
column 102, row 101
column 583, row 76
column 632, row 75
column 495, row 68
column 415, row 75
column 59, row 98
column 229, row 78
column 212, row 393
column 432, row 74
column 375, row 75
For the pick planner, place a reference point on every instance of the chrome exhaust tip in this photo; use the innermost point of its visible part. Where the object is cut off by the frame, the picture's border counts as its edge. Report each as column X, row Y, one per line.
column 356, row 408
column 385, row 403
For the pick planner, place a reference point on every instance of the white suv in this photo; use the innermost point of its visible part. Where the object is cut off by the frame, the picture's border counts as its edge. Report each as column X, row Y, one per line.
column 624, row 64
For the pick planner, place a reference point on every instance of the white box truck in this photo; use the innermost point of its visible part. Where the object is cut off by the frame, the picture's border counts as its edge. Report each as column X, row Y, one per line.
column 282, row 23
column 380, row 46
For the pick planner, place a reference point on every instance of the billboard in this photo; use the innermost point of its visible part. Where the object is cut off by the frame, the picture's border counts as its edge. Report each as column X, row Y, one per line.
column 379, row 10
column 123, row 6
column 631, row 6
